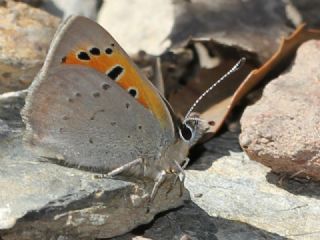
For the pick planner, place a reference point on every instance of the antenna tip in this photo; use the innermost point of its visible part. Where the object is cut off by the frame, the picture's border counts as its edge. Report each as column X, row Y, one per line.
column 240, row 63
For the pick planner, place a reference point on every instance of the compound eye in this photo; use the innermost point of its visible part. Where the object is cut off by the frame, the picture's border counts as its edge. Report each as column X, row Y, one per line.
column 185, row 132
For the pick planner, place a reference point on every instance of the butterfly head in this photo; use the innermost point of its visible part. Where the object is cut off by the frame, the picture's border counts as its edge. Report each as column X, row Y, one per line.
column 192, row 128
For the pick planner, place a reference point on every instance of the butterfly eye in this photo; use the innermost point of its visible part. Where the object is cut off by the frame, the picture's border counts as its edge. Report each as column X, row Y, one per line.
column 186, row 133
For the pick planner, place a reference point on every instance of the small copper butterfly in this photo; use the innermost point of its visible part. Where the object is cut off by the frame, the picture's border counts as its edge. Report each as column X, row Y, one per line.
column 90, row 106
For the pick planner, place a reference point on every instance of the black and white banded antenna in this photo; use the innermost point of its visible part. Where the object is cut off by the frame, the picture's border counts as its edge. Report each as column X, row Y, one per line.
column 235, row 68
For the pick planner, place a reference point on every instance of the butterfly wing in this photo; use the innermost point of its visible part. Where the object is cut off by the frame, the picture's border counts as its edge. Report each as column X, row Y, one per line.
column 83, row 42
column 81, row 116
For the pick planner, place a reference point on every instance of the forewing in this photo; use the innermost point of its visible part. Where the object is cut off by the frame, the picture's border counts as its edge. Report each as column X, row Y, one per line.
column 82, row 41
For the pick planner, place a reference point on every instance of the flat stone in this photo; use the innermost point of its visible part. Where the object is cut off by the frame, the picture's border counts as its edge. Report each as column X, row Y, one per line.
column 42, row 200
column 25, row 35
column 282, row 129
column 226, row 184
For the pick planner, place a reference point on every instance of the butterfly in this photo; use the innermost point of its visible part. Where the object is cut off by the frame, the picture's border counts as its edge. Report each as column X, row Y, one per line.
column 90, row 106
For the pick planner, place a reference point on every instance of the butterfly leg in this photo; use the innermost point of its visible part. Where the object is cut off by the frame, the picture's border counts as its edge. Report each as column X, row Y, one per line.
column 183, row 176
column 158, row 181
column 180, row 171
column 125, row 167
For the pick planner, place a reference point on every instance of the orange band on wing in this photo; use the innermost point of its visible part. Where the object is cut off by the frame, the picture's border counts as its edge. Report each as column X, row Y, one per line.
column 118, row 68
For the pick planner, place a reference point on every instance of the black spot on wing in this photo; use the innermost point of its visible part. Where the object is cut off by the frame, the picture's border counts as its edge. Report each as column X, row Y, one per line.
column 95, row 51
column 108, row 51
column 115, row 72
column 133, row 92
column 83, row 56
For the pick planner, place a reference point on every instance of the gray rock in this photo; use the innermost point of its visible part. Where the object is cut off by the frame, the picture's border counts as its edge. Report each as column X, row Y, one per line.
column 282, row 130
column 234, row 188
column 42, row 200
column 193, row 223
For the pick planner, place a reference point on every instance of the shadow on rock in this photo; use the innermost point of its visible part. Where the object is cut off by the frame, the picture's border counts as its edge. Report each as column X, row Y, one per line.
column 191, row 222
column 297, row 186
column 202, row 156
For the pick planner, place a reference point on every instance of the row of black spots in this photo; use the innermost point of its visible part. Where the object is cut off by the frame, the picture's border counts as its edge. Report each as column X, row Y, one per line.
column 104, row 86
column 76, row 95
column 82, row 55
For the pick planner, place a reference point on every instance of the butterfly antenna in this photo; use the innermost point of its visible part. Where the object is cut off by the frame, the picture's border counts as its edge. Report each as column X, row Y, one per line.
column 235, row 68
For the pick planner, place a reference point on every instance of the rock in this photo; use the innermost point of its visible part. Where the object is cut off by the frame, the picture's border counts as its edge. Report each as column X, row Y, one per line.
column 138, row 24
column 282, row 130
column 42, row 200
column 192, row 223
column 25, row 35
column 236, row 189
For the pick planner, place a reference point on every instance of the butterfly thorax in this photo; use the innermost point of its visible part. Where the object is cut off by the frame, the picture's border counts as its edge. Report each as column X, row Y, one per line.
column 179, row 150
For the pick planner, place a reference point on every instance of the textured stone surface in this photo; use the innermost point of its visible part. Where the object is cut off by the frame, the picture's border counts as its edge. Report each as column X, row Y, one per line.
column 25, row 35
column 233, row 187
column 42, row 200
column 282, row 130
